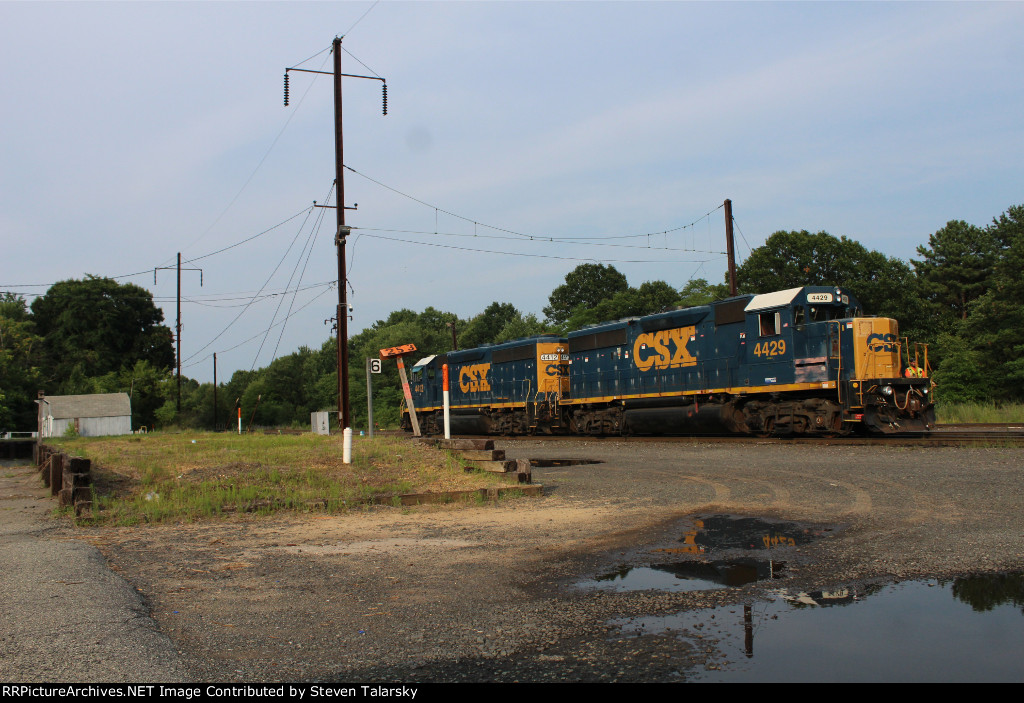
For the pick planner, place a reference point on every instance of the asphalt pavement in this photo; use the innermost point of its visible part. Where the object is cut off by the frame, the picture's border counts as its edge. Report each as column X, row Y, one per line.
column 64, row 615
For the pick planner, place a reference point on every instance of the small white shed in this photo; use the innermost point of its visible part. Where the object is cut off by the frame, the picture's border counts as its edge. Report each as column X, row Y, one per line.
column 96, row 415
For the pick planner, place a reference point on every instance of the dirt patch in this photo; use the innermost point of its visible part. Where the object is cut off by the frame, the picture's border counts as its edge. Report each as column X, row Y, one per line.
column 487, row 592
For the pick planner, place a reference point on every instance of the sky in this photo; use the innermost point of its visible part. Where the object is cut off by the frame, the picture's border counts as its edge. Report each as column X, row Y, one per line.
column 522, row 139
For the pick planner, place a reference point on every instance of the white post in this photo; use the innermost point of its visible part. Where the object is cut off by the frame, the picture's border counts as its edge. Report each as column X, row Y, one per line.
column 239, row 419
column 447, row 408
column 346, row 452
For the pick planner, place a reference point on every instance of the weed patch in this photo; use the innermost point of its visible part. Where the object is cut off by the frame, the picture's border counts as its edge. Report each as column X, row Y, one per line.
column 185, row 477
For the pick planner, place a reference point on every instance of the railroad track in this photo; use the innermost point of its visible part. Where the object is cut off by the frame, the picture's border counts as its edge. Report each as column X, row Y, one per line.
column 988, row 435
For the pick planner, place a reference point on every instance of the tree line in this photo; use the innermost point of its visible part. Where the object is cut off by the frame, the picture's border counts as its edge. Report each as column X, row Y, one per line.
column 964, row 296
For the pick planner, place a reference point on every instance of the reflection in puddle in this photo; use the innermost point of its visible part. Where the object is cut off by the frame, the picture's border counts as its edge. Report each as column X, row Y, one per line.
column 688, row 575
column 966, row 630
column 745, row 539
column 722, row 532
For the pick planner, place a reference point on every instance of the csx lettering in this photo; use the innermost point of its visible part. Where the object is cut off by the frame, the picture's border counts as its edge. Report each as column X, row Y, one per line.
column 882, row 342
column 556, row 369
column 473, row 379
column 652, row 349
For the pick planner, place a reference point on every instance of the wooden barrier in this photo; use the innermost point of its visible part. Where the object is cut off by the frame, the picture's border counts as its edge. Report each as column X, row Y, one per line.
column 68, row 477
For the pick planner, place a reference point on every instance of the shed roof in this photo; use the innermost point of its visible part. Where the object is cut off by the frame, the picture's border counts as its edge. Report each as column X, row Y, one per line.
column 94, row 405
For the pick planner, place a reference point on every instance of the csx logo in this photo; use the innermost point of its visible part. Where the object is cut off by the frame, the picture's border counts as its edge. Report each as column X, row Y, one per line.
column 882, row 342
column 653, row 349
column 556, row 369
column 474, row 378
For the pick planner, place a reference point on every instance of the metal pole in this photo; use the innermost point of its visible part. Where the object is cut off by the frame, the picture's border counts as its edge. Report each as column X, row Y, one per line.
column 178, row 333
column 344, row 410
column 215, row 391
column 369, row 400
column 447, row 404
column 729, row 247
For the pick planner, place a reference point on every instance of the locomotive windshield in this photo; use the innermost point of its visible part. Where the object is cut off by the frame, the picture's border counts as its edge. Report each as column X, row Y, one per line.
column 824, row 313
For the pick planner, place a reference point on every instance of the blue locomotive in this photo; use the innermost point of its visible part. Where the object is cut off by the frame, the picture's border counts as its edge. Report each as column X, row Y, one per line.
column 801, row 361
column 510, row 388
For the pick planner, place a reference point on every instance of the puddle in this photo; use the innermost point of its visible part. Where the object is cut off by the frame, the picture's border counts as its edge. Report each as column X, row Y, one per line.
column 562, row 462
column 723, row 532
column 688, row 575
column 965, row 630
column 744, row 540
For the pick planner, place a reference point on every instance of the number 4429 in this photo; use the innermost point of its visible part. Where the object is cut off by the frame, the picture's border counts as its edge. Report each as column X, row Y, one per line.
column 774, row 347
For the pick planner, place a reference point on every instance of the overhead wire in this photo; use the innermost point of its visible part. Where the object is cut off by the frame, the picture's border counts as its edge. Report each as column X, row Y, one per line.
column 249, row 304
column 291, row 116
column 186, row 261
column 307, row 245
column 361, row 18
column 539, row 240
column 521, row 234
column 538, row 256
column 246, row 341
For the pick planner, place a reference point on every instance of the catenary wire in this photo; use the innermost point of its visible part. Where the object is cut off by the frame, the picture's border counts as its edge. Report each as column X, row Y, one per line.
column 528, row 236
column 538, row 256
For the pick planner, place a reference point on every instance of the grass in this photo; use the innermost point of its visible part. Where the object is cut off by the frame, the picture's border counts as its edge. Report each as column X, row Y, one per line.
column 191, row 476
column 958, row 413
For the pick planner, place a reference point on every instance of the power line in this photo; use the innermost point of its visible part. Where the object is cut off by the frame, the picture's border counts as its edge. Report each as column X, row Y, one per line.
column 291, row 116
column 538, row 256
column 360, row 20
column 537, row 240
column 308, row 244
column 265, row 283
column 530, row 236
column 224, row 351
column 189, row 261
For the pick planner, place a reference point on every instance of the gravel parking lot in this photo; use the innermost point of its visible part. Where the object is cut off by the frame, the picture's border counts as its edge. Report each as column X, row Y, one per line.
column 491, row 592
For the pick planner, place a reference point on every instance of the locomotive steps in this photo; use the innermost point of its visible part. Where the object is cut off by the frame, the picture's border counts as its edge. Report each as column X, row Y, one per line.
column 481, row 454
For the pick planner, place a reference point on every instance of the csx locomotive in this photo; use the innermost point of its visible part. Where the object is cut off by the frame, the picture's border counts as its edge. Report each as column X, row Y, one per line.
column 803, row 361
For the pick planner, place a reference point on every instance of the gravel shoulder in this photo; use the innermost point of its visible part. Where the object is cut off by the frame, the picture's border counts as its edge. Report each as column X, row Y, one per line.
column 487, row 593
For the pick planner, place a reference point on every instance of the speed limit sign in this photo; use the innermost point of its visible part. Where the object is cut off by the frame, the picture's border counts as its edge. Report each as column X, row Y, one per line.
column 374, row 365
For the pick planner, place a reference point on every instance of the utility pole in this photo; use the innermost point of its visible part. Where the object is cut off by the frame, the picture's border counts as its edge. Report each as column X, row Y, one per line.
column 215, row 391
column 177, row 333
column 730, row 250
column 342, row 232
column 344, row 409
column 177, row 327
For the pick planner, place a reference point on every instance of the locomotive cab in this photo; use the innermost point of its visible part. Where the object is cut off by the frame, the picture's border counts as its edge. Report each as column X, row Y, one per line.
column 846, row 367
column 862, row 359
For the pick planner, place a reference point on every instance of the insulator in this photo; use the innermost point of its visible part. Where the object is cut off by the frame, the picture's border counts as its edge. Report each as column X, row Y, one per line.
column 286, row 88
column 385, row 85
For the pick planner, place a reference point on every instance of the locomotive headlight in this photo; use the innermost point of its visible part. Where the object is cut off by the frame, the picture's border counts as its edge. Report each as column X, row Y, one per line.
column 886, row 390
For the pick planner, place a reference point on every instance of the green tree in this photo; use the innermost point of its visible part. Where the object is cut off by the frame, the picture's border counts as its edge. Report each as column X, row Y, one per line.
column 956, row 269
column 961, row 377
column 485, row 327
column 147, row 387
column 650, row 297
column 995, row 321
column 587, row 285
column 97, row 325
column 520, row 326
column 698, row 291
column 20, row 375
column 884, row 286
column 427, row 330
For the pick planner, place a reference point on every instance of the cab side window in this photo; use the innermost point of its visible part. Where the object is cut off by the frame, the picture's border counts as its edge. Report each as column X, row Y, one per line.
column 769, row 324
column 798, row 316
